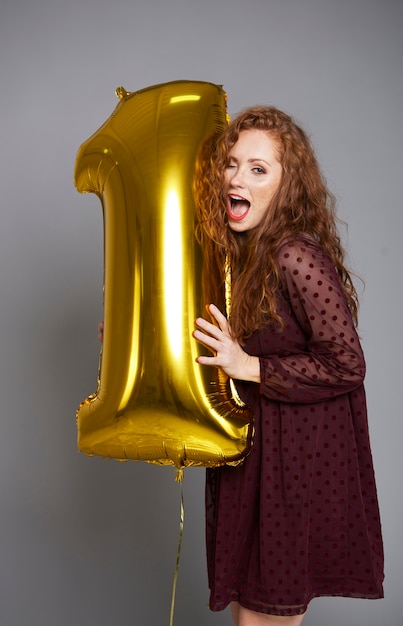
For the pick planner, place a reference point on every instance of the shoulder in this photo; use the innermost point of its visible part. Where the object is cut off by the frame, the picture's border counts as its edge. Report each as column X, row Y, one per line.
column 305, row 266
column 301, row 251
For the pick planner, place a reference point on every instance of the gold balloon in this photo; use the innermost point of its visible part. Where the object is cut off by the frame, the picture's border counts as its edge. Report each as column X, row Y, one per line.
column 153, row 402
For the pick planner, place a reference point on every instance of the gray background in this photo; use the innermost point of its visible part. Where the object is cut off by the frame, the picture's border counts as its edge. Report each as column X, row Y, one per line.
column 87, row 542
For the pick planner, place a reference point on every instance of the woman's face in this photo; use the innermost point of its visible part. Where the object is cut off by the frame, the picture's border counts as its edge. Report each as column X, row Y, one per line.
column 251, row 179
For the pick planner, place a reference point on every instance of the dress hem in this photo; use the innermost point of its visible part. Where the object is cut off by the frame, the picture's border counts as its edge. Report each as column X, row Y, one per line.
column 288, row 610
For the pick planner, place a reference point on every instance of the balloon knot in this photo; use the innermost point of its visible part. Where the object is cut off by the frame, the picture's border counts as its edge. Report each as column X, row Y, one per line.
column 179, row 475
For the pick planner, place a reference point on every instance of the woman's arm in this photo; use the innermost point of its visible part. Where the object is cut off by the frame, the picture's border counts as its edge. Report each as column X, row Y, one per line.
column 332, row 362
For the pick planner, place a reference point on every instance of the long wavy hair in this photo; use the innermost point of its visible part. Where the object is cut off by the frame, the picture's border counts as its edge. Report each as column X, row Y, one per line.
column 302, row 204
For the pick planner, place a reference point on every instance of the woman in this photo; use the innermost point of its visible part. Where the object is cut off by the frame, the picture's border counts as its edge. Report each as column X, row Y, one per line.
column 299, row 517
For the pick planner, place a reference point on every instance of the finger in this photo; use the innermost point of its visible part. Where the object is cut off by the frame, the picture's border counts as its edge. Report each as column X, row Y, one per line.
column 208, row 327
column 218, row 316
column 207, row 340
column 208, row 360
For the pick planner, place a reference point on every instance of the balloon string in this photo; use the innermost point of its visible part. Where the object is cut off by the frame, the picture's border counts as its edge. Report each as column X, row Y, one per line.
column 179, row 479
column 227, row 272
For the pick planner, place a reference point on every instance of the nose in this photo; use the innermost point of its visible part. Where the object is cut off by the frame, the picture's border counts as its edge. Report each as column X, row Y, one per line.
column 235, row 177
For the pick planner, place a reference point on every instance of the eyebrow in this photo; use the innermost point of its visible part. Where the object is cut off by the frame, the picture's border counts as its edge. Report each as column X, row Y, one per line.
column 252, row 160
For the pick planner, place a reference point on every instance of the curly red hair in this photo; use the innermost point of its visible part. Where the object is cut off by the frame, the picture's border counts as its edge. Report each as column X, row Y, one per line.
column 302, row 204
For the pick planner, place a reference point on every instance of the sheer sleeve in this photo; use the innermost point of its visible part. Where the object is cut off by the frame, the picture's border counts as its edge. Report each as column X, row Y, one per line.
column 330, row 362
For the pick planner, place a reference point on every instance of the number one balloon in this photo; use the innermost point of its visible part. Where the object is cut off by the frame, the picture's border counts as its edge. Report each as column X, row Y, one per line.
column 153, row 402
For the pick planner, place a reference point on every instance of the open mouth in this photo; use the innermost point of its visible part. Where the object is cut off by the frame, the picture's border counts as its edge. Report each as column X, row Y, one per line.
column 238, row 207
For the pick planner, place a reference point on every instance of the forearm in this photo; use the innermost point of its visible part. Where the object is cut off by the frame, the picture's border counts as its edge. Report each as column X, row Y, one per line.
column 304, row 378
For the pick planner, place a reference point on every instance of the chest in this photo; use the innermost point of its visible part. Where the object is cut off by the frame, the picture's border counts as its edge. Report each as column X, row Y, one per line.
column 273, row 340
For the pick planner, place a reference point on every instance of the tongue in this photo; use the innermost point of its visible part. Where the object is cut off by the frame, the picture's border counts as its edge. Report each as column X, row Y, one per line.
column 237, row 210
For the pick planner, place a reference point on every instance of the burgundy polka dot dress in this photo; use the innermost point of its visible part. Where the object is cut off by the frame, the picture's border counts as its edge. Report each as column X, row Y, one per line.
column 299, row 518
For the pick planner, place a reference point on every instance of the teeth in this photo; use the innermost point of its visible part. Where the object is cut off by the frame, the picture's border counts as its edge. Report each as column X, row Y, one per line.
column 236, row 200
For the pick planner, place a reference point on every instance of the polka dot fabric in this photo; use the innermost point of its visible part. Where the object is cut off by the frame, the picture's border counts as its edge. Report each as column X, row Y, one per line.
column 299, row 518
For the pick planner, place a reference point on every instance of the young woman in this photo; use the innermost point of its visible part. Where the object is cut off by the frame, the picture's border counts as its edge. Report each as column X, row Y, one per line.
column 299, row 518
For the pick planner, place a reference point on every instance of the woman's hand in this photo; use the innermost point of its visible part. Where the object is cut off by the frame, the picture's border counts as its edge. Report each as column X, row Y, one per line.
column 228, row 354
